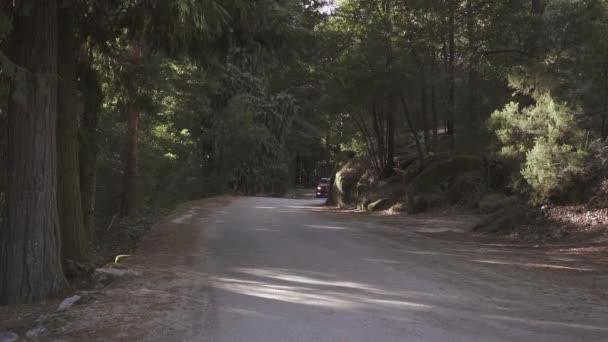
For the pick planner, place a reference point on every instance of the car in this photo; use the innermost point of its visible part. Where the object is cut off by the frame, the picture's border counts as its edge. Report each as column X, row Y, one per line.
column 323, row 188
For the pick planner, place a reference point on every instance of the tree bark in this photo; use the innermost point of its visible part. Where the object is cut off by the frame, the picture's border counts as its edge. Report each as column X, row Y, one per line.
column 472, row 65
column 425, row 117
column 89, row 144
column 605, row 104
column 451, row 75
column 434, row 110
column 30, row 243
column 75, row 243
column 389, row 168
column 410, row 124
column 435, row 117
column 129, row 195
column 378, row 126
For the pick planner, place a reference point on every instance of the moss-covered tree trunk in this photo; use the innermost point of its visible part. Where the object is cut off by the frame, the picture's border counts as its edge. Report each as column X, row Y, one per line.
column 30, row 243
column 75, row 239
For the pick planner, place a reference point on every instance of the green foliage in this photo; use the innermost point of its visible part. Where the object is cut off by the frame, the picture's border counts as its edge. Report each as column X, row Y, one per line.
column 545, row 140
column 355, row 145
column 249, row 136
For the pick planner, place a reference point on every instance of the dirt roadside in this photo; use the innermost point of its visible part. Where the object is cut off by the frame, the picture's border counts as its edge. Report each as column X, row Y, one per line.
column 124, row 309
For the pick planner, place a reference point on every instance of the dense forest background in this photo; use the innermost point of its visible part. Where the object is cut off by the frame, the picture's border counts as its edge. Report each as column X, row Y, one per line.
column 114, row 107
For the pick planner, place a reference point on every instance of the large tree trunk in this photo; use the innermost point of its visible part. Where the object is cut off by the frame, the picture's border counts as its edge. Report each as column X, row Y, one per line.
column 451, row 75
column 3, row 156
column 89, row 144
column 75, row 243
column 472, row 65
column 435, row 117
column 30, row 245
column 129, row 195
column 410, row 124
column 605, row 102
column 424, row 113
column 389, row 168
column 434, row 109
column 378, row 126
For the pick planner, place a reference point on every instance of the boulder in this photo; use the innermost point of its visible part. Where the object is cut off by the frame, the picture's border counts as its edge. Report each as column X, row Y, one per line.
column 379, row 205
column 428, row 189
column 344, row 185
column 426, row 201
column 399, row 207
column 465, row 188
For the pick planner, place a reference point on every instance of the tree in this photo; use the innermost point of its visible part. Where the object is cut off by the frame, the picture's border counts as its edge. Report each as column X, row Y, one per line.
column 30, row 262
column 75, row 238
column 544, row 141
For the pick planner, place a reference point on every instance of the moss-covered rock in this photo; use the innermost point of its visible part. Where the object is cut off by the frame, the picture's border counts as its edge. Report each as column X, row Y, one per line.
column 343, row 191
column 429, row 188
column 399, row 207
column 466, row 188
column 426, row 201
column 379, row 205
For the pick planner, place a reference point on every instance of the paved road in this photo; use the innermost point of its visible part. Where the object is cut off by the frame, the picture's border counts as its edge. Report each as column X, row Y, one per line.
column 281, row 271
column 268, row 270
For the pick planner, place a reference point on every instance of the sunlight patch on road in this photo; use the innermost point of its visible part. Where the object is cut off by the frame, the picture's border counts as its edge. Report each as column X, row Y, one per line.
column 431, row 253
column 315, row 292
column 249, row 313
column 535, row 322
column 533, row 265
column 291, row 294
column 314, row 226
column 383, row 261
column 302, row 279
column 438, row 230
column 398, row 303
column 303, row 207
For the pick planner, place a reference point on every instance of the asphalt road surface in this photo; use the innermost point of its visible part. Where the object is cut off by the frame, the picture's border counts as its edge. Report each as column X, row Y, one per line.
column 262, row 269
column 281, row 271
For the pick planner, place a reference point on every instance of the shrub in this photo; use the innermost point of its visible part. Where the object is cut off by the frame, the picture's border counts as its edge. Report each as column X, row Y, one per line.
column 545, row 142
